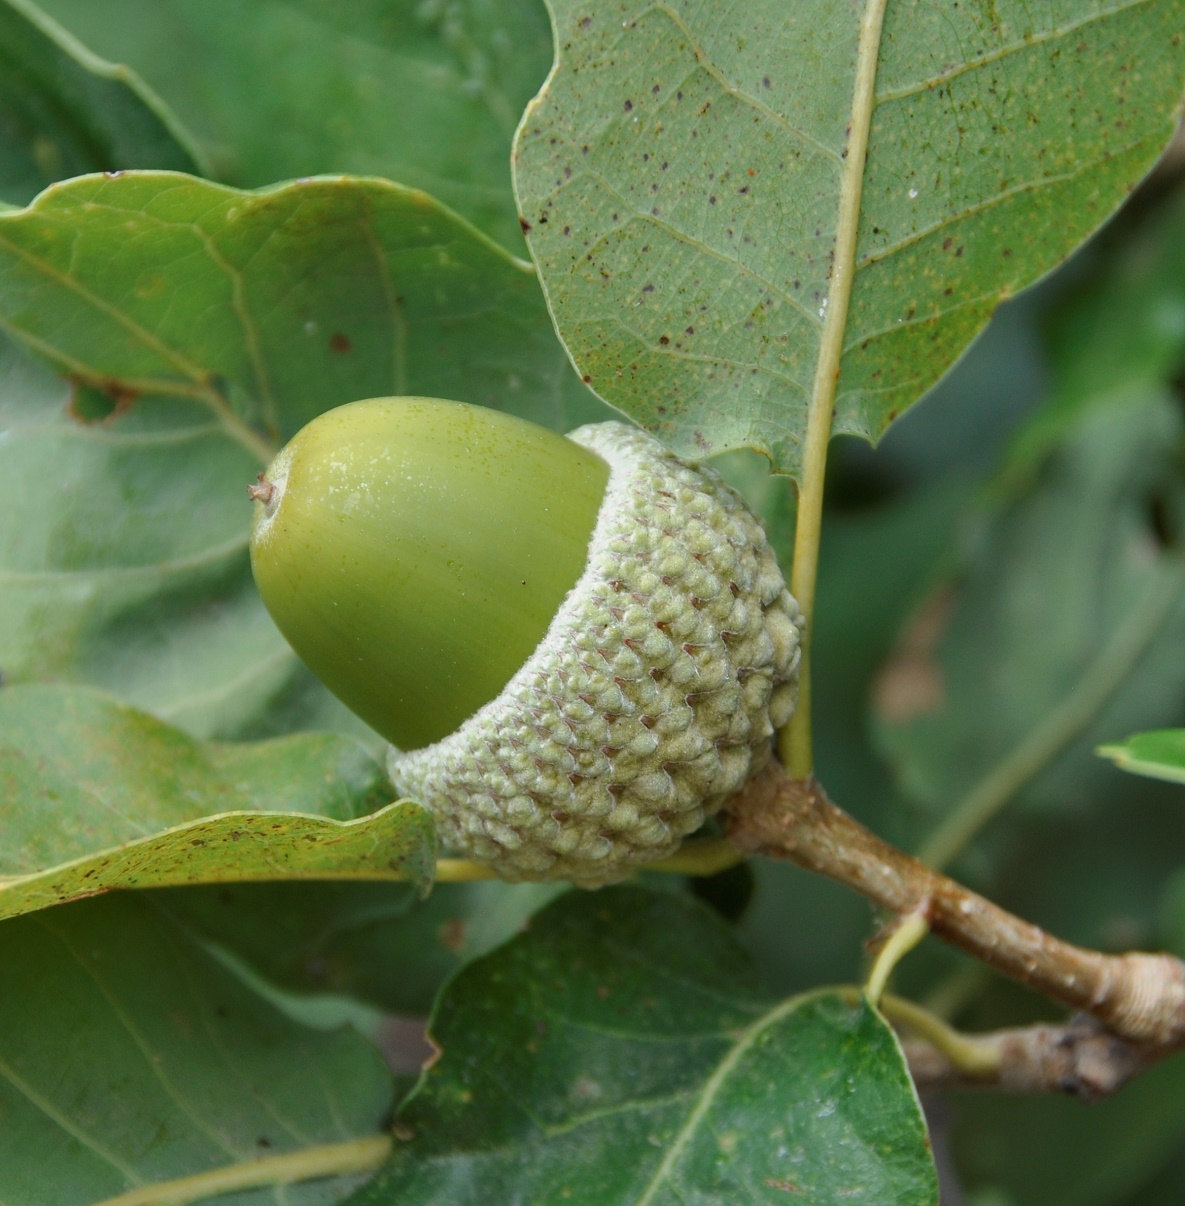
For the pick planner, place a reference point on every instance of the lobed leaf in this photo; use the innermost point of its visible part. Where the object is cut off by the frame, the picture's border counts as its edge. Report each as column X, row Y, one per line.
column 95, row 795
column 426, row 94
column 129, row 1056
column 621, row 1051
column 697, row 219
column 200, row 327
column 64, row 111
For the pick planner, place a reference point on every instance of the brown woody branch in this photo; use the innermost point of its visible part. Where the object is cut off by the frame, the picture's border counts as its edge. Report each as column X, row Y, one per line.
column 1138, row 997
column 1080, row 1058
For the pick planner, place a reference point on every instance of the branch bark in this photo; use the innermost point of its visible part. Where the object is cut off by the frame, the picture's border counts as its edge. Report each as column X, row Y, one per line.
column 1081, row 1059
column 1138, row 997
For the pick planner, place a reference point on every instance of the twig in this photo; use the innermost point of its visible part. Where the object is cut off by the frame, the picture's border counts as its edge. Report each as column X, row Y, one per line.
column 1081, row 1058
column 1137, row 996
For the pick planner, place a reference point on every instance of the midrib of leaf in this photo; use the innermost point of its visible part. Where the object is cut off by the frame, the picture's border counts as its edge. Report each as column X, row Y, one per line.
column 118, row 72
column 272, row 1172
column 711, row 1087
column 794, row 742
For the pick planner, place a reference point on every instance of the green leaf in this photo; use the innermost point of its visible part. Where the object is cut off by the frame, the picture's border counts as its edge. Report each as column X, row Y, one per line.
column 213, row 324
column 1065, row 627
column 96, row 795
column 697, row 217
column 1119, row 334
column 1172, row 914
column 64, row 111
column 426, row 94
column 1159, row 755
column 620, row 1051
column 379, row 943
column 1165, row 1188
column 128, row 1055
column 1050, row 1150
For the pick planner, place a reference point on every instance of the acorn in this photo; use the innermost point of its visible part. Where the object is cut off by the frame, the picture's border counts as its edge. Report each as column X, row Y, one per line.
column 579, row 646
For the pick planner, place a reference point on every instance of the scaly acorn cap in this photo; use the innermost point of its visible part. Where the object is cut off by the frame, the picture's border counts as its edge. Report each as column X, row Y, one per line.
column 651, row 695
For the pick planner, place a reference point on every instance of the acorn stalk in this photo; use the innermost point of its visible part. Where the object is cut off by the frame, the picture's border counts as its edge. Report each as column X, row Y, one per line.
column 579, row 646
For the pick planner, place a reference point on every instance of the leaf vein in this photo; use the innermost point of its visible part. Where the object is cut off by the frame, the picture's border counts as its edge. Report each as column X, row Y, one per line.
column 685, row 239
column 71, row 1128
column 1003, row 52
column 140, row 1042
column 103, row 573
column 707, row 1094
column 732, row 89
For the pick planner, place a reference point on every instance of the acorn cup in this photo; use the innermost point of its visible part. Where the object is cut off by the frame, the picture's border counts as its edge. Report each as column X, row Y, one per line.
column 578, row 646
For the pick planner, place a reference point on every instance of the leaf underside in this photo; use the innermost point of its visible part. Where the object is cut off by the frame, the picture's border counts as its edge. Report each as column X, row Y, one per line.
column 64, row 112
column 683, row 172
column 129, row 1055
column 95, row 795
column 426, row 94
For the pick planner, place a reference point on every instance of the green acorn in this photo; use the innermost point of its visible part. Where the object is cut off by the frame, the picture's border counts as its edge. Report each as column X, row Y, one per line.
column 579, row 646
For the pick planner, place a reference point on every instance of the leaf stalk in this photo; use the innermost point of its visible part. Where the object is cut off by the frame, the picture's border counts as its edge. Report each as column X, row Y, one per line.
column 794, row 742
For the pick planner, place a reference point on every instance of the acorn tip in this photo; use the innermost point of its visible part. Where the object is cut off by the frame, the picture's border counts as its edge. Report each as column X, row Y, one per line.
column 262, row 491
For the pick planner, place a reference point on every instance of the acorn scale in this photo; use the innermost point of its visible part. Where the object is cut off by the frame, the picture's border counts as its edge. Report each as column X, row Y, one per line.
column 650, row 696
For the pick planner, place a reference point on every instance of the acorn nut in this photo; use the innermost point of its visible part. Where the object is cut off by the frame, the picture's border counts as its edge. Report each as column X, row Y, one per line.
column 579, row 646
